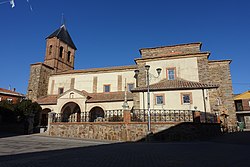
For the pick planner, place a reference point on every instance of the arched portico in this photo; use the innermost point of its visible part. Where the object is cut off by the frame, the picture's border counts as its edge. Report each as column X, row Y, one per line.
column 43, row 121
column 71, row 112
column 96, row 112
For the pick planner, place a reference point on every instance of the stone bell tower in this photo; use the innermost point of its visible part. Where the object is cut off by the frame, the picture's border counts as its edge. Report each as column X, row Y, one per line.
column 60, row 50
column 59, row 56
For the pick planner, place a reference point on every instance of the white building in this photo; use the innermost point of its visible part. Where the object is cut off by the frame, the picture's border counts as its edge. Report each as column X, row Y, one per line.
column 187, row 81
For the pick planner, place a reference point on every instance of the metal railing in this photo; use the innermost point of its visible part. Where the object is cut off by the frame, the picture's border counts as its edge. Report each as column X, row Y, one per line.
column 137, row 115
column 107, row 116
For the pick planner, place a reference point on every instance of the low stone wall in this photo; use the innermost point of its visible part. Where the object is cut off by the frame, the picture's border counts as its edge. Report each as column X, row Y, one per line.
column 116, row 131
column 188, row 131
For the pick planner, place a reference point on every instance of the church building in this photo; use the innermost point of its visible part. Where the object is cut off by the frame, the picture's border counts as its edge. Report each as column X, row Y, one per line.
column 177, row 77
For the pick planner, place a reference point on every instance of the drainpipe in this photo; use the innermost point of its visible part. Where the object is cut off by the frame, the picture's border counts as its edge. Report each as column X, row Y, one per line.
column 205, row 107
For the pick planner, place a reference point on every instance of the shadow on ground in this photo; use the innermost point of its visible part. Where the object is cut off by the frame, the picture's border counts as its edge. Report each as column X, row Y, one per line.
column 13, row 129
column 219, row 152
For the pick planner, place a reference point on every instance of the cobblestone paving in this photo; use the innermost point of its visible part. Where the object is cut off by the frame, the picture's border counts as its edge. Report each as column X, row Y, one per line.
column 85, row 153
column 37, row 143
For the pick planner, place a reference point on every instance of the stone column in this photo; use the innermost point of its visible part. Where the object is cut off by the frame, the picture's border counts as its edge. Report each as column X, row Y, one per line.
column 126, row 116
column 51, row 119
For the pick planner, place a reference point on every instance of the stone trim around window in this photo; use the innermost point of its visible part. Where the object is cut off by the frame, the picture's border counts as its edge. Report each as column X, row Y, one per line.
column 163, row 98
column 190, row 98
column 171, row 68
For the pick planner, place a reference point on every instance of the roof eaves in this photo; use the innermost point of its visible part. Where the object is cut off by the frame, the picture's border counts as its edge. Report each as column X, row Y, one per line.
column 170, row 46
column 166, row 89
column 174, row 55
column 106, row 69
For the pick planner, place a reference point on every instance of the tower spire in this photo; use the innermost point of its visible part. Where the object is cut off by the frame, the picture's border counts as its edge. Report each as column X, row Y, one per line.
column 63, row 19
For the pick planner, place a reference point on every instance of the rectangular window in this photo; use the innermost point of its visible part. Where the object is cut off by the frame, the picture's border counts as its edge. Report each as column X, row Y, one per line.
column 171, row 73
column 130, row 86
column 0, row 98
column 106, row 88
column 248, row 103
column 60, row 91
column 186, row 98
column 159, row 99
column 238, row 104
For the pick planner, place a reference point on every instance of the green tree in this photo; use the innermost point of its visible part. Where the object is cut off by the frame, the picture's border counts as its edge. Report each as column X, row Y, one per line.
column 7, row 113
column 27, row 108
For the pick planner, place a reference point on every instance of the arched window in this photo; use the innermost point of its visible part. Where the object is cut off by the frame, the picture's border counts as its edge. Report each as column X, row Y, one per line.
column 50, row 49
column 61, row 52
column 69, row 56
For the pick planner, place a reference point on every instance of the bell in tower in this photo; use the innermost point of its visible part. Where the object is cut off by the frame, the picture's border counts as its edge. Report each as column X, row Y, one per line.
column 60, row 50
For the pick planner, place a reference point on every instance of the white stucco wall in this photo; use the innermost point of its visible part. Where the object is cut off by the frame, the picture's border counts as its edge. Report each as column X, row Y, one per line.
column 186, row 68
column 108, row 105
column 84, row 81
column 173, row 100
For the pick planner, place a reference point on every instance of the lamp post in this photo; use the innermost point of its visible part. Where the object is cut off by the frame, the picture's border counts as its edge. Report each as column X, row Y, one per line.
column 147, row 67
column 148, row 97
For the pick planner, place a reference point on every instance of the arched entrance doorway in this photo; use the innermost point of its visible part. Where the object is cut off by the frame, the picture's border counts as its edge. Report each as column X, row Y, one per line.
column 71, row 112
column 96, row 112
column 43, row 121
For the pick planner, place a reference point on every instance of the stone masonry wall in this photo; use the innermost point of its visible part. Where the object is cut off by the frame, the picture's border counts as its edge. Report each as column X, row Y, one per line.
column 203, row 69
column 141, row 81
column 170, row 50
column 222, row 99
column 106, row 131
column 245, row 104
column 38, row 82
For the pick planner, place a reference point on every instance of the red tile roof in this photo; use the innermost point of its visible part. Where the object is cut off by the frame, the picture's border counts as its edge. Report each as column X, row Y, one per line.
column 10, row 92
column 49, row 99
column 92, row 97
column 177, row 84
column 109, row 96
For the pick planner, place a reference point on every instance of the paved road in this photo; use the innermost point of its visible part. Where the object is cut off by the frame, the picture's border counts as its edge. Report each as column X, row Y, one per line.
column 37, row 143
column 227, row 151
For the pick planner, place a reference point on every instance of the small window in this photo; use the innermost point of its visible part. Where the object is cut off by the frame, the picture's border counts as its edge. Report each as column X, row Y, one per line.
column 106, row 88
column 171, row 73
column 61, row 52
column 248, row 103
column 131, row 86
column 159, row 99
column 0, row 98
column 68, row 59
column 186, row 98
column 60, row 91
column 71, row 95
column 50, row 49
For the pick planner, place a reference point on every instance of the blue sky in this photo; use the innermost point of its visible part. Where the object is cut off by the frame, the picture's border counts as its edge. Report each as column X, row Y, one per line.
column 111, row 32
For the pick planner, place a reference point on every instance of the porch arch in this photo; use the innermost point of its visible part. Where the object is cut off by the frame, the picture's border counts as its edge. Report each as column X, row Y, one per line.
column 96, row 112
column 43, row 119
column 71, row 112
